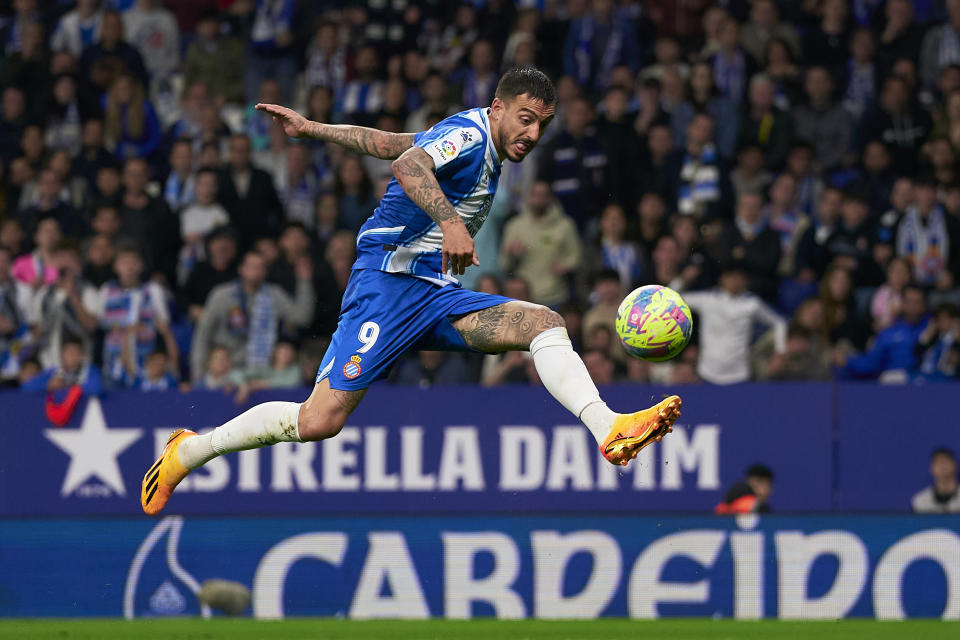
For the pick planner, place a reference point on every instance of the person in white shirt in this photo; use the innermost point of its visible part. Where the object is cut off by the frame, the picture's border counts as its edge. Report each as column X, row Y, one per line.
column 943, row 496
column 199, row 219
column 727, row 316
column 78, row 29
column 153, row 31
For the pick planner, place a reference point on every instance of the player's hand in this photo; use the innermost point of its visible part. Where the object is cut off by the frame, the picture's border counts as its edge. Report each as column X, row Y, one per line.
column 293, row 124
column 458, row 250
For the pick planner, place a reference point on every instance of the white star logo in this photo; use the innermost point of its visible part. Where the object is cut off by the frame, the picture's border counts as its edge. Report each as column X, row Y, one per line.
column 93, row 450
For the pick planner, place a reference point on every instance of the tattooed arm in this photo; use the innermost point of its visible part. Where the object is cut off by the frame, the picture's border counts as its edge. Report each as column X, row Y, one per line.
column 372, row 142
column 414, row 170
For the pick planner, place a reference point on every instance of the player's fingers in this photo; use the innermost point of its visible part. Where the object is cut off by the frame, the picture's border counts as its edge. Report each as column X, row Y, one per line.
column 476, row 259
column 445, row 261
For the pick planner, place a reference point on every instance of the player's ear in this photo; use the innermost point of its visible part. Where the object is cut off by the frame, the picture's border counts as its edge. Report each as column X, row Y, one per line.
column 497, row 107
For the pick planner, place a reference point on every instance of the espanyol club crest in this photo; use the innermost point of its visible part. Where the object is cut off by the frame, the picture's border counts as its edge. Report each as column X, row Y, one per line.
column 352, row 369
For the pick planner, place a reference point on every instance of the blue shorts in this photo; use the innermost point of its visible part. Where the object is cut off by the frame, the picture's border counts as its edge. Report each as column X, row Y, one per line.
column 384, row 315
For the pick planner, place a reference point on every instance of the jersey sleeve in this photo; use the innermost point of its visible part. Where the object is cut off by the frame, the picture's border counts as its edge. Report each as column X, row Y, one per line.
column 447, row 143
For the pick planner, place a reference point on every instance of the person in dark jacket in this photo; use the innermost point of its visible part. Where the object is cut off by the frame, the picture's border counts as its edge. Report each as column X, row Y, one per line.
column 750, row 495
column 248, row 195
column 750, row 242
column 763, row 124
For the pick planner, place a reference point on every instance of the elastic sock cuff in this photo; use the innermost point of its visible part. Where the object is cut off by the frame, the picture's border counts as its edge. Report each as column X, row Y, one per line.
column 555, row 337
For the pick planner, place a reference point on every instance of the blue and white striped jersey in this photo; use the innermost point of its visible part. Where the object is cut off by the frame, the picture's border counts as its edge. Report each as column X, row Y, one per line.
column 400, row 237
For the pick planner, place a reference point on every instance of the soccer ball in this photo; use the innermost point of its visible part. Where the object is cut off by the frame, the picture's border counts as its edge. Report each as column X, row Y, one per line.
column 654, row 323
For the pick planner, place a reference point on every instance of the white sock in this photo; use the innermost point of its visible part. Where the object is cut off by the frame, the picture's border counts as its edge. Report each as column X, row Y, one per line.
column 260, row 426
column 566, row 378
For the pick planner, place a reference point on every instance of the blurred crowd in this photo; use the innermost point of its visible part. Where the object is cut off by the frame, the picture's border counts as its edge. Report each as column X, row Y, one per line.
column 790, row 166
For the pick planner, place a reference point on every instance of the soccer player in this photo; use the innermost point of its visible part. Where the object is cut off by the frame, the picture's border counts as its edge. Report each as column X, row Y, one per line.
column 403, row 293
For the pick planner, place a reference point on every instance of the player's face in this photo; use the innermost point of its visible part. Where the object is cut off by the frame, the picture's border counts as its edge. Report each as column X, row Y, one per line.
column 521, row 122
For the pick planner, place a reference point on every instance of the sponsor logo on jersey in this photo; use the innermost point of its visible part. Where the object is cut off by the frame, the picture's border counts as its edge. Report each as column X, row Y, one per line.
column 352, row 369
column 447, row 149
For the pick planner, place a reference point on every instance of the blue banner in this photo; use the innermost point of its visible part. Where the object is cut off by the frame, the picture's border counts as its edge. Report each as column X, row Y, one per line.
column 405, row 450
column 506, row 566
column 885, row 436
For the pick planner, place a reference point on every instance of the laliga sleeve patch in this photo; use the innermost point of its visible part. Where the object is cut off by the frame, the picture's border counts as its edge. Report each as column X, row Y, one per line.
column 451, row 144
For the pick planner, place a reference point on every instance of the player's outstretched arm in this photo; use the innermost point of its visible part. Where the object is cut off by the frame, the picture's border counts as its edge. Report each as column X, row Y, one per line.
column 372, row 142
column 414, row 170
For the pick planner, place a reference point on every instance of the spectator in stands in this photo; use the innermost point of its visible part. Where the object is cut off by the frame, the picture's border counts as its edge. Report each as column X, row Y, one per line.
column 12, row 122
column 764, row 124
column 892, row 358
column 705, row 98
column 727, row 316
column 131, row 125
column 248, row 194
column 702, row 185
column 844, row 325
column 938, row 348
column 46, row 202
column 15, row 302
column 133, row 315
column 750, row 495
column 63, row 117
column 212, row 60
column 73, row 369
column 750, row 242
column 155, row 373
column 327, row 59
column 220, row 373
column 354, row 191
column 436, row 102
column 750, row 176
column 822, row 122
column 784, row 217
column 800, row 360
column 107, row 59
column 826, row 43
column 297, row 185
column 605, row 298
column 217, row 268
column 271, row 49
column 862, row 75
column 898, row 122
column 928, row 237
column 575, row 164
column 283, row 372
column 943, row 496
column 363, row 96
column 246, row 315
column 148, row 222
column 38, row 267
column 941, row 46
column 902, row 35
column 197, row 221
column 66, row 309
column 154, row 32
column 78, row 28
column 600, row 367
column 783, row 73
column 542, row 246
column 478, row 81
column 597, row 42
column 431, row 368
column 732, row 65
column 612, row 249
column 765, row 26
column 98, row 267
column 887, row 299
column 621, row 144
column 850, row 243
column 179, row 188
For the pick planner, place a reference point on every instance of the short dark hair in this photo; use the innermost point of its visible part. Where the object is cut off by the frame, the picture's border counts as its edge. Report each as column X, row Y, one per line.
column 945, row 452
column 760, row 471
column 71, row 340
column 527, row 80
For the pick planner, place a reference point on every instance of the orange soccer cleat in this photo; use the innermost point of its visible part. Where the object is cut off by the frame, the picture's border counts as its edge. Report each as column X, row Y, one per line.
column 631, row 432
column 165, row 474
